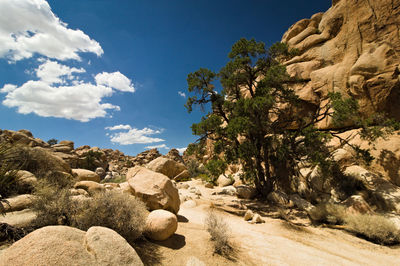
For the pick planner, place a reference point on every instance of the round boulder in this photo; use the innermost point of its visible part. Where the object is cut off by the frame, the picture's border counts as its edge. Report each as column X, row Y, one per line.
column 86, row 175
column 63, row 245
column 155, row 189
column 161, row 224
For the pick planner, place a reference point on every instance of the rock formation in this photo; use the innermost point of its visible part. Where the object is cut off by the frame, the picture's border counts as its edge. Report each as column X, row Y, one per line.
column 353, row 48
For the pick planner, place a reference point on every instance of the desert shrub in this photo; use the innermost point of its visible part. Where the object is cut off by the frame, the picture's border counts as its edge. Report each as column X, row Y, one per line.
column 59, row 179
column 118, row 211
column 90, row 159
column 328, row 213
column 375, row 228
column 52, row 141
column 8, row 171
column 219, row 232
column 118, row 179
column 52, row 204
column 194, row 168
column 115, row 210
column 35, row 160
column 207, row 178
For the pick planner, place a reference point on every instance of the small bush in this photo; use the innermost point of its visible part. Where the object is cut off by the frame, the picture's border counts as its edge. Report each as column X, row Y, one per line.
column 52, row 141
column 115, row 210
column 194, row 168
column 8, row 171
column 53, row 205
column 375, row 228
column 219, row 233
column 90, row 159
column 117, row 179
column 121, row 212
column 328, row 213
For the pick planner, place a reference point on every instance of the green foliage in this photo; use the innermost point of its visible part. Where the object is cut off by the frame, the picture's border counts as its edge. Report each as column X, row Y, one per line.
column 194, row 168
column 215, row 167
column 52, row 141
column 258, row 121
column 90, row 158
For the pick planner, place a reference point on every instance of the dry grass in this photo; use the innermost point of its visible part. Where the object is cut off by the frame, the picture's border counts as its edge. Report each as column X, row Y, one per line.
column 118, row 211
column 53, row 205
column 375, row 228
column 220, row 235
column 121, row 212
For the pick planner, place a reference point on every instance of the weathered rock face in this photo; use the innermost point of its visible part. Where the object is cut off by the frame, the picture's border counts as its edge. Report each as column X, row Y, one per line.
column 353, row 48
column 62, row 245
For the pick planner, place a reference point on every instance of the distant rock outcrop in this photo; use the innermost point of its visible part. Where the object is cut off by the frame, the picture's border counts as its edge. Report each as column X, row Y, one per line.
column 353, row 48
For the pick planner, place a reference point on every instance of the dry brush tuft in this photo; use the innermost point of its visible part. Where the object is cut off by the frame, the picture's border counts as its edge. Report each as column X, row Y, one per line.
column 220, row 236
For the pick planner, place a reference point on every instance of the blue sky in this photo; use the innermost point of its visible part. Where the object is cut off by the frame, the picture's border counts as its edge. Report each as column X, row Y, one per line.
column 112, row 73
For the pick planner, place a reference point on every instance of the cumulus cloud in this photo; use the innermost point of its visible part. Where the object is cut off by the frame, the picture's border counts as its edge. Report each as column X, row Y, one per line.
column 29, row 27
column 115, row 80
column 58, row 93
column 134, row 135
column 161, row 146
column 182, row 94
column 181, row 150
column 53, row 72
column 119, row 127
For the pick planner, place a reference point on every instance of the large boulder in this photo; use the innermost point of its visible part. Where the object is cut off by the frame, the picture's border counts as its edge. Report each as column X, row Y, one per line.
column 174, row 155
column 166, row 166
column 101, row 172
column 25, row 179
column 155, row 189
column 17, row 203
column 385, row 194
column 352, row 48
column 62, row 245
column 160, row 225
column 224, row 181
column 64, row 146
column 89, row 186
column 41, row 160
column 86, row 175
column 246, row 192
column 356, row 204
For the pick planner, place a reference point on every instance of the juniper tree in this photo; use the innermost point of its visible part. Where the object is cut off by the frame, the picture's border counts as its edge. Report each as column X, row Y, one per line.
column 257, row 120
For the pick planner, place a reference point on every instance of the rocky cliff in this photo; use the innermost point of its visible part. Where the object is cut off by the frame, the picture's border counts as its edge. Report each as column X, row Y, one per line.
column 353, row 48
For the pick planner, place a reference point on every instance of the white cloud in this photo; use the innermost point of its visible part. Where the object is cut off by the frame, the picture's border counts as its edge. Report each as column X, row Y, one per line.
column 80, row 102
column 119, row 127
column 181, row 150
column 53, row 72
column 29, row 27
column 115, row 80
column 134, row 136
column 182, row 94
column 161, row 146
column 71, row 98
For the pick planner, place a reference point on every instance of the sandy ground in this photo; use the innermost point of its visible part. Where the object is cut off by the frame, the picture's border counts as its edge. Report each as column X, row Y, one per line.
column 274, row 242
